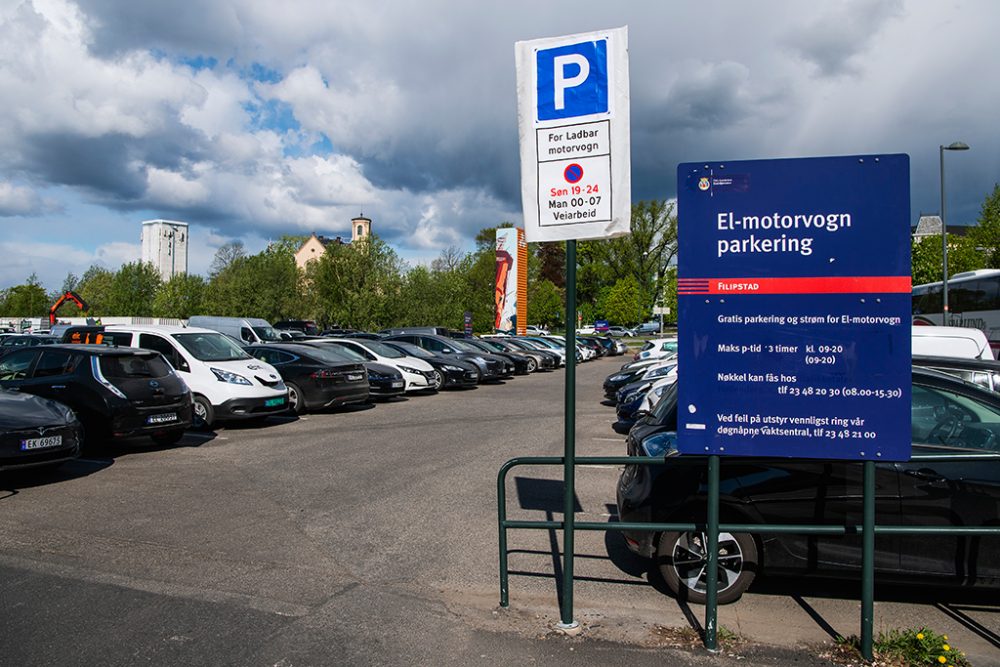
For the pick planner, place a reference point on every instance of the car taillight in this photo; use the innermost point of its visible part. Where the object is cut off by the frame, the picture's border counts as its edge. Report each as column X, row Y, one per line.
column 326, row 373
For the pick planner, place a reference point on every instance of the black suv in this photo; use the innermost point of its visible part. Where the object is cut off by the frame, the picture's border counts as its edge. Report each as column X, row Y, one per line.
column 116, row 392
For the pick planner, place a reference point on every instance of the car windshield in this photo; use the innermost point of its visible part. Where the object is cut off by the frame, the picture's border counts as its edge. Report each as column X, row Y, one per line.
column 267, row 334
column 211, row 346
column 464, row 347
column 382, row 349
column 134, row 366
column 493, row 345
column 665, row 410
column 329, row 354
column 413, row 350
column 349, row 354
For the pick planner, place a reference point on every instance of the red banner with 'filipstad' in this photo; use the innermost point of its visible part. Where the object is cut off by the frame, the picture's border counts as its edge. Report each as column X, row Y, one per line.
column 822, row 285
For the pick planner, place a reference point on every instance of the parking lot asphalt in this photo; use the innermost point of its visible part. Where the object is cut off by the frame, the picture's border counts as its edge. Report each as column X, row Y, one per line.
column 369, row 536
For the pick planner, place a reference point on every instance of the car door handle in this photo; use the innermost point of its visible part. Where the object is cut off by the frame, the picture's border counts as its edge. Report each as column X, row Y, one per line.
column 926, row 474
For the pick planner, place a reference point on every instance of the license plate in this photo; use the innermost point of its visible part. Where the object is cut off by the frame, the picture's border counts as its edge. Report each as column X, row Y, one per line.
column 397, row 384
column 162, row 419
column 271, row 402
column 41, row 443
column 354, row 377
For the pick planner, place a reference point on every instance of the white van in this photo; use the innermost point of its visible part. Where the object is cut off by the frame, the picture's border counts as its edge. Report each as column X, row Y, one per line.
column 249, row 330
column 961, row 342
column 226, row 382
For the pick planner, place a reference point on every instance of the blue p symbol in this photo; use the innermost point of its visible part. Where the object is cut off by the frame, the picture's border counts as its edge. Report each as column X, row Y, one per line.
column 572, row 80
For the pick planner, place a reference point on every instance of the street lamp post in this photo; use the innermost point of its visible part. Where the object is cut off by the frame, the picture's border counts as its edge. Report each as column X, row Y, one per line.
column 956, row 146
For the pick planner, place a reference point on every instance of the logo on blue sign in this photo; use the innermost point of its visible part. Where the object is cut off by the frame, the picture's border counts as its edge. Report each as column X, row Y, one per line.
column 572, row 80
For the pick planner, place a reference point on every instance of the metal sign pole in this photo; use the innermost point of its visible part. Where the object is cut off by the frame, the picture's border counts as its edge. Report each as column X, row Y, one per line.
column 569, row 457
column 712, row 557
column 868, row 561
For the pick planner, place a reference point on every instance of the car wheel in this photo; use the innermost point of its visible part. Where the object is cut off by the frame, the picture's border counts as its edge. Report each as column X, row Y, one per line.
column 202, row 415
column 532, row 365
column 682, row 560
column 164, row 439
column 296, row 404
column 438, row 380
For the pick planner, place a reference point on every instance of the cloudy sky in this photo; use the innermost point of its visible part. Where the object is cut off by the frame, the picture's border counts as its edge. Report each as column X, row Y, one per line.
column 250, row 119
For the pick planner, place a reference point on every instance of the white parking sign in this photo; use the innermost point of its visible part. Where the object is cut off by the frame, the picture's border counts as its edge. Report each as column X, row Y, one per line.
column 573, row 112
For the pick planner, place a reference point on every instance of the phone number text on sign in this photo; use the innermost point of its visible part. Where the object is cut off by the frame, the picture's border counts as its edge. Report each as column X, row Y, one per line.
column 574, row 173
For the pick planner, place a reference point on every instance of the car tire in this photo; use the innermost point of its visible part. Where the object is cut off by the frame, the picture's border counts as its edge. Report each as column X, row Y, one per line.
column 165, row 439
column 296, row 402
column 532, row 365
column 438, row 380
column 681, row 559
column 202, row 414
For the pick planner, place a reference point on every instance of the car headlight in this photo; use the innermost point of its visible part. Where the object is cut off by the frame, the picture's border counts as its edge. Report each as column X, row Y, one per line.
column 231, row 378
column 617, row 378
column 407, row 369
column 452, row 369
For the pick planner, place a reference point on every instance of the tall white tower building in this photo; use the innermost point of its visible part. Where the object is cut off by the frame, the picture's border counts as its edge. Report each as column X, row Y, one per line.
column 165, row 246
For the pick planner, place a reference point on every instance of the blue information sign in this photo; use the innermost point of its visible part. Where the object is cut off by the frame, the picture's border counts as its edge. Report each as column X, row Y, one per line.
column 794, row 308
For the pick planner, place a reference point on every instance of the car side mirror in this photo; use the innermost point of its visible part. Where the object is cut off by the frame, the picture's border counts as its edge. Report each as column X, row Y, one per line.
column 184, row 366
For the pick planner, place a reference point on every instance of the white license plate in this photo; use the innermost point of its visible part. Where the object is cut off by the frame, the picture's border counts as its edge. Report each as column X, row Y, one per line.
column 41, row 443
column 397, row 384
column 162, row 419
column 354, row 378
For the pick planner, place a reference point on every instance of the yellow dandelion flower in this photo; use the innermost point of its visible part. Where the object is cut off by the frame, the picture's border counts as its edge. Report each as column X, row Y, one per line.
column 944, row 637
column 946, row 647
column 920, row 635
column 942, row 659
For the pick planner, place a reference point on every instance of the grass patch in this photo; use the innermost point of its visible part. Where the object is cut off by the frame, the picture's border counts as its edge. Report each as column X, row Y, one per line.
column 912, row 647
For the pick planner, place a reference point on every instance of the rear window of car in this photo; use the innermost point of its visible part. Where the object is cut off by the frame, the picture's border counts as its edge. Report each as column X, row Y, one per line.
column 135, row 366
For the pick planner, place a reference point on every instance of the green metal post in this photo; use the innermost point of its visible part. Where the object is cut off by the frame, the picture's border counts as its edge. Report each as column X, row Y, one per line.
column 868, row 561
column 502, row 523
column 712, row 561
column 569, row 456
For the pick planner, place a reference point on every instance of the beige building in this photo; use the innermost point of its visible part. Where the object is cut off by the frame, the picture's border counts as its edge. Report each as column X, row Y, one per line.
column 315, row 246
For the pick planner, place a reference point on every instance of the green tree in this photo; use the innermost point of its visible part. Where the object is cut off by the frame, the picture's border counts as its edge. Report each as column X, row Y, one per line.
column 545, row 304
column 925, row 258
column 180, row 297
column 28, row 299
column 624, row 302
column 358, row 285
column 645, row 254
column 265, row 285
column 95, row 288
column 226, row 254
column 986, row 234
column 133, row 289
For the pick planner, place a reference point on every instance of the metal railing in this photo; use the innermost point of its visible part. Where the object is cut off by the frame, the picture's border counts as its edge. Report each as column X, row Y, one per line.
column 868, row 529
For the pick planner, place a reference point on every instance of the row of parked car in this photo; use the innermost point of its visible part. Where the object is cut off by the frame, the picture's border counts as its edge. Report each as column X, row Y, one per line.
column 955, row 412
column 124, row 381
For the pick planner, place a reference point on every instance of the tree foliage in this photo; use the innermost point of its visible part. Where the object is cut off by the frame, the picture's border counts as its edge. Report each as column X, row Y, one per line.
column 180, row 297
column 986, row 234
column 133, row 289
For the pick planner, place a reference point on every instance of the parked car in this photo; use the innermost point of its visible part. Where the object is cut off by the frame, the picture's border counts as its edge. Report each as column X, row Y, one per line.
column 418, row 374
column 316, row 377
column 227, row 383
column 544, row 360
column 523, row 363
column 248, row 330
column 540, row 343
column 533, row 330
column 449, row 372
column 384, row 381
column 36, row 432
column 308, row 327
column 491, row 368
column 651, row 327
column 28, row 340
column 962, row 342
column 985, row 373
column 116, row 392
column 656, row 348
column 949, row 417
column 621, row 332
